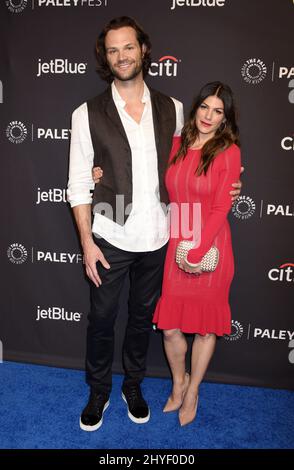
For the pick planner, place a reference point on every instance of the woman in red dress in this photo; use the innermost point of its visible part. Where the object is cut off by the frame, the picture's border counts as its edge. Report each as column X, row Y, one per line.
column 204, row 163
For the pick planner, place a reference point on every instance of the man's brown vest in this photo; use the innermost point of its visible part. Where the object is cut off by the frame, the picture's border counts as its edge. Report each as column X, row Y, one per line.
column 112, row 151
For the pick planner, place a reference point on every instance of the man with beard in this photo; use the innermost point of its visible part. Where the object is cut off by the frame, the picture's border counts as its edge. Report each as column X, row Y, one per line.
column 128, row 131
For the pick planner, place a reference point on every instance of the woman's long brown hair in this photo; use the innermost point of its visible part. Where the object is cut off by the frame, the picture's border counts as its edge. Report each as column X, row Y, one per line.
column 225, row 136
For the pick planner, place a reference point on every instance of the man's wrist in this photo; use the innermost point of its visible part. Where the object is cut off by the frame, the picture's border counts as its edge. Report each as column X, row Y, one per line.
column 87, row 241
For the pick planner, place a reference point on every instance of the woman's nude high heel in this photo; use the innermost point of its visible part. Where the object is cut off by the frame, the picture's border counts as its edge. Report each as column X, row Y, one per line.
column 174, row 405
column 186, row 417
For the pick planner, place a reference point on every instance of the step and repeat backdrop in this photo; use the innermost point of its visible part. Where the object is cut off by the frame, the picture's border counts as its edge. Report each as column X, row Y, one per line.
column 47, row 69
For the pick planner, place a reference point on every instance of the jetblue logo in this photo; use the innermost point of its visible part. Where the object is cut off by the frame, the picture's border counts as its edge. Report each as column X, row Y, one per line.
column 57, row 313
column 55, row 195
column 61, row 66
column 197, row 3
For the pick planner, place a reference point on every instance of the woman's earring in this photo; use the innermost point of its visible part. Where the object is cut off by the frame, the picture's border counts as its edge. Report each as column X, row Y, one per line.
column 223, row 126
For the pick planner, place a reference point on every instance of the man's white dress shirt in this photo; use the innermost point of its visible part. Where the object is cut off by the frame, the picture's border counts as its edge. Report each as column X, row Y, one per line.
column 146, row 228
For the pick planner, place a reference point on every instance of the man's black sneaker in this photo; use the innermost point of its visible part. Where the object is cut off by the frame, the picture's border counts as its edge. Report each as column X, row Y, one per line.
column 92, row 416
column 138, row 410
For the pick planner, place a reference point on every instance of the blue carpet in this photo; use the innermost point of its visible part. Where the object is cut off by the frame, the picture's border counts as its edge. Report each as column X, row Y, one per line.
column 40, row 407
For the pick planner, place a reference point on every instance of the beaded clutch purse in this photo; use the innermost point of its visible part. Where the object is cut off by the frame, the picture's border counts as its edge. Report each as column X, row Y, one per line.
column 207, row 264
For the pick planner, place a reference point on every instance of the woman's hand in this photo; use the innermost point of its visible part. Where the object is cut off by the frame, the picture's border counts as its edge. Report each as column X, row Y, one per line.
column 188, row 269
column 97, row 174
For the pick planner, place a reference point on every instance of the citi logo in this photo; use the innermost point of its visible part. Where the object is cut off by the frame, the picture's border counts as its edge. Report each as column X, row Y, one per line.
column 17, row 253
column 71, row 3
column 197, row 3
column 55, row 195
column 273, row 334
column 16, row 6
column 285, row 273
column 287, row 143
column 61, row 66
column 57, row 313
column 254, row 71
column 273, row 209
column 166, row 66
column 53, row 134
column 16, row 132
column 237, row 331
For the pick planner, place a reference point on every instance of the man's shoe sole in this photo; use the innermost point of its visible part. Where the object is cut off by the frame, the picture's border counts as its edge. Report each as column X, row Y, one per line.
column 88, row 428
column 132, row 417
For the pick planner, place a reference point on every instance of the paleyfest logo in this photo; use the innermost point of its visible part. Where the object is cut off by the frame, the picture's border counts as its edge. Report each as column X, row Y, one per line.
column 254, row 71
column 71, row 3
column 16, row 6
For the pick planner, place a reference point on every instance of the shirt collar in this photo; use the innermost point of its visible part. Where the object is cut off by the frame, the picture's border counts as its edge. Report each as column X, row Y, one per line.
column 121, row 103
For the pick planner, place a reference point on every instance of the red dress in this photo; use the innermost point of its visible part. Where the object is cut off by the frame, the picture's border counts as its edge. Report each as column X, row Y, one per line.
column 199, row 304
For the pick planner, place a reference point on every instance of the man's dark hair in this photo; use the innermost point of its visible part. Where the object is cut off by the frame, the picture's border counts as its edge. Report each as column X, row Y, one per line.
column 142, row 37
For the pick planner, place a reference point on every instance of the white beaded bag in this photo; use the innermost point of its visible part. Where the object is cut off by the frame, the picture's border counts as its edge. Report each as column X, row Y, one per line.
column 207, row 264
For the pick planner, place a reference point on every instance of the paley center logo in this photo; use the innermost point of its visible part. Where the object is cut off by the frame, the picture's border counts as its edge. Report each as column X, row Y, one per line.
column 18, row 254
column 237, row 331
column 166, row 66
column 244, row 207
column 16, row 6
column 284, row 273
column 254, row 71
column 60, row 66
column 57, row 313
column 197, row 3
column 16, row 132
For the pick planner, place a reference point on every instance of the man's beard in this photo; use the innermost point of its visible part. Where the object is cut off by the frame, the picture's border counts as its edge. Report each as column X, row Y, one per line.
column 132, row 74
